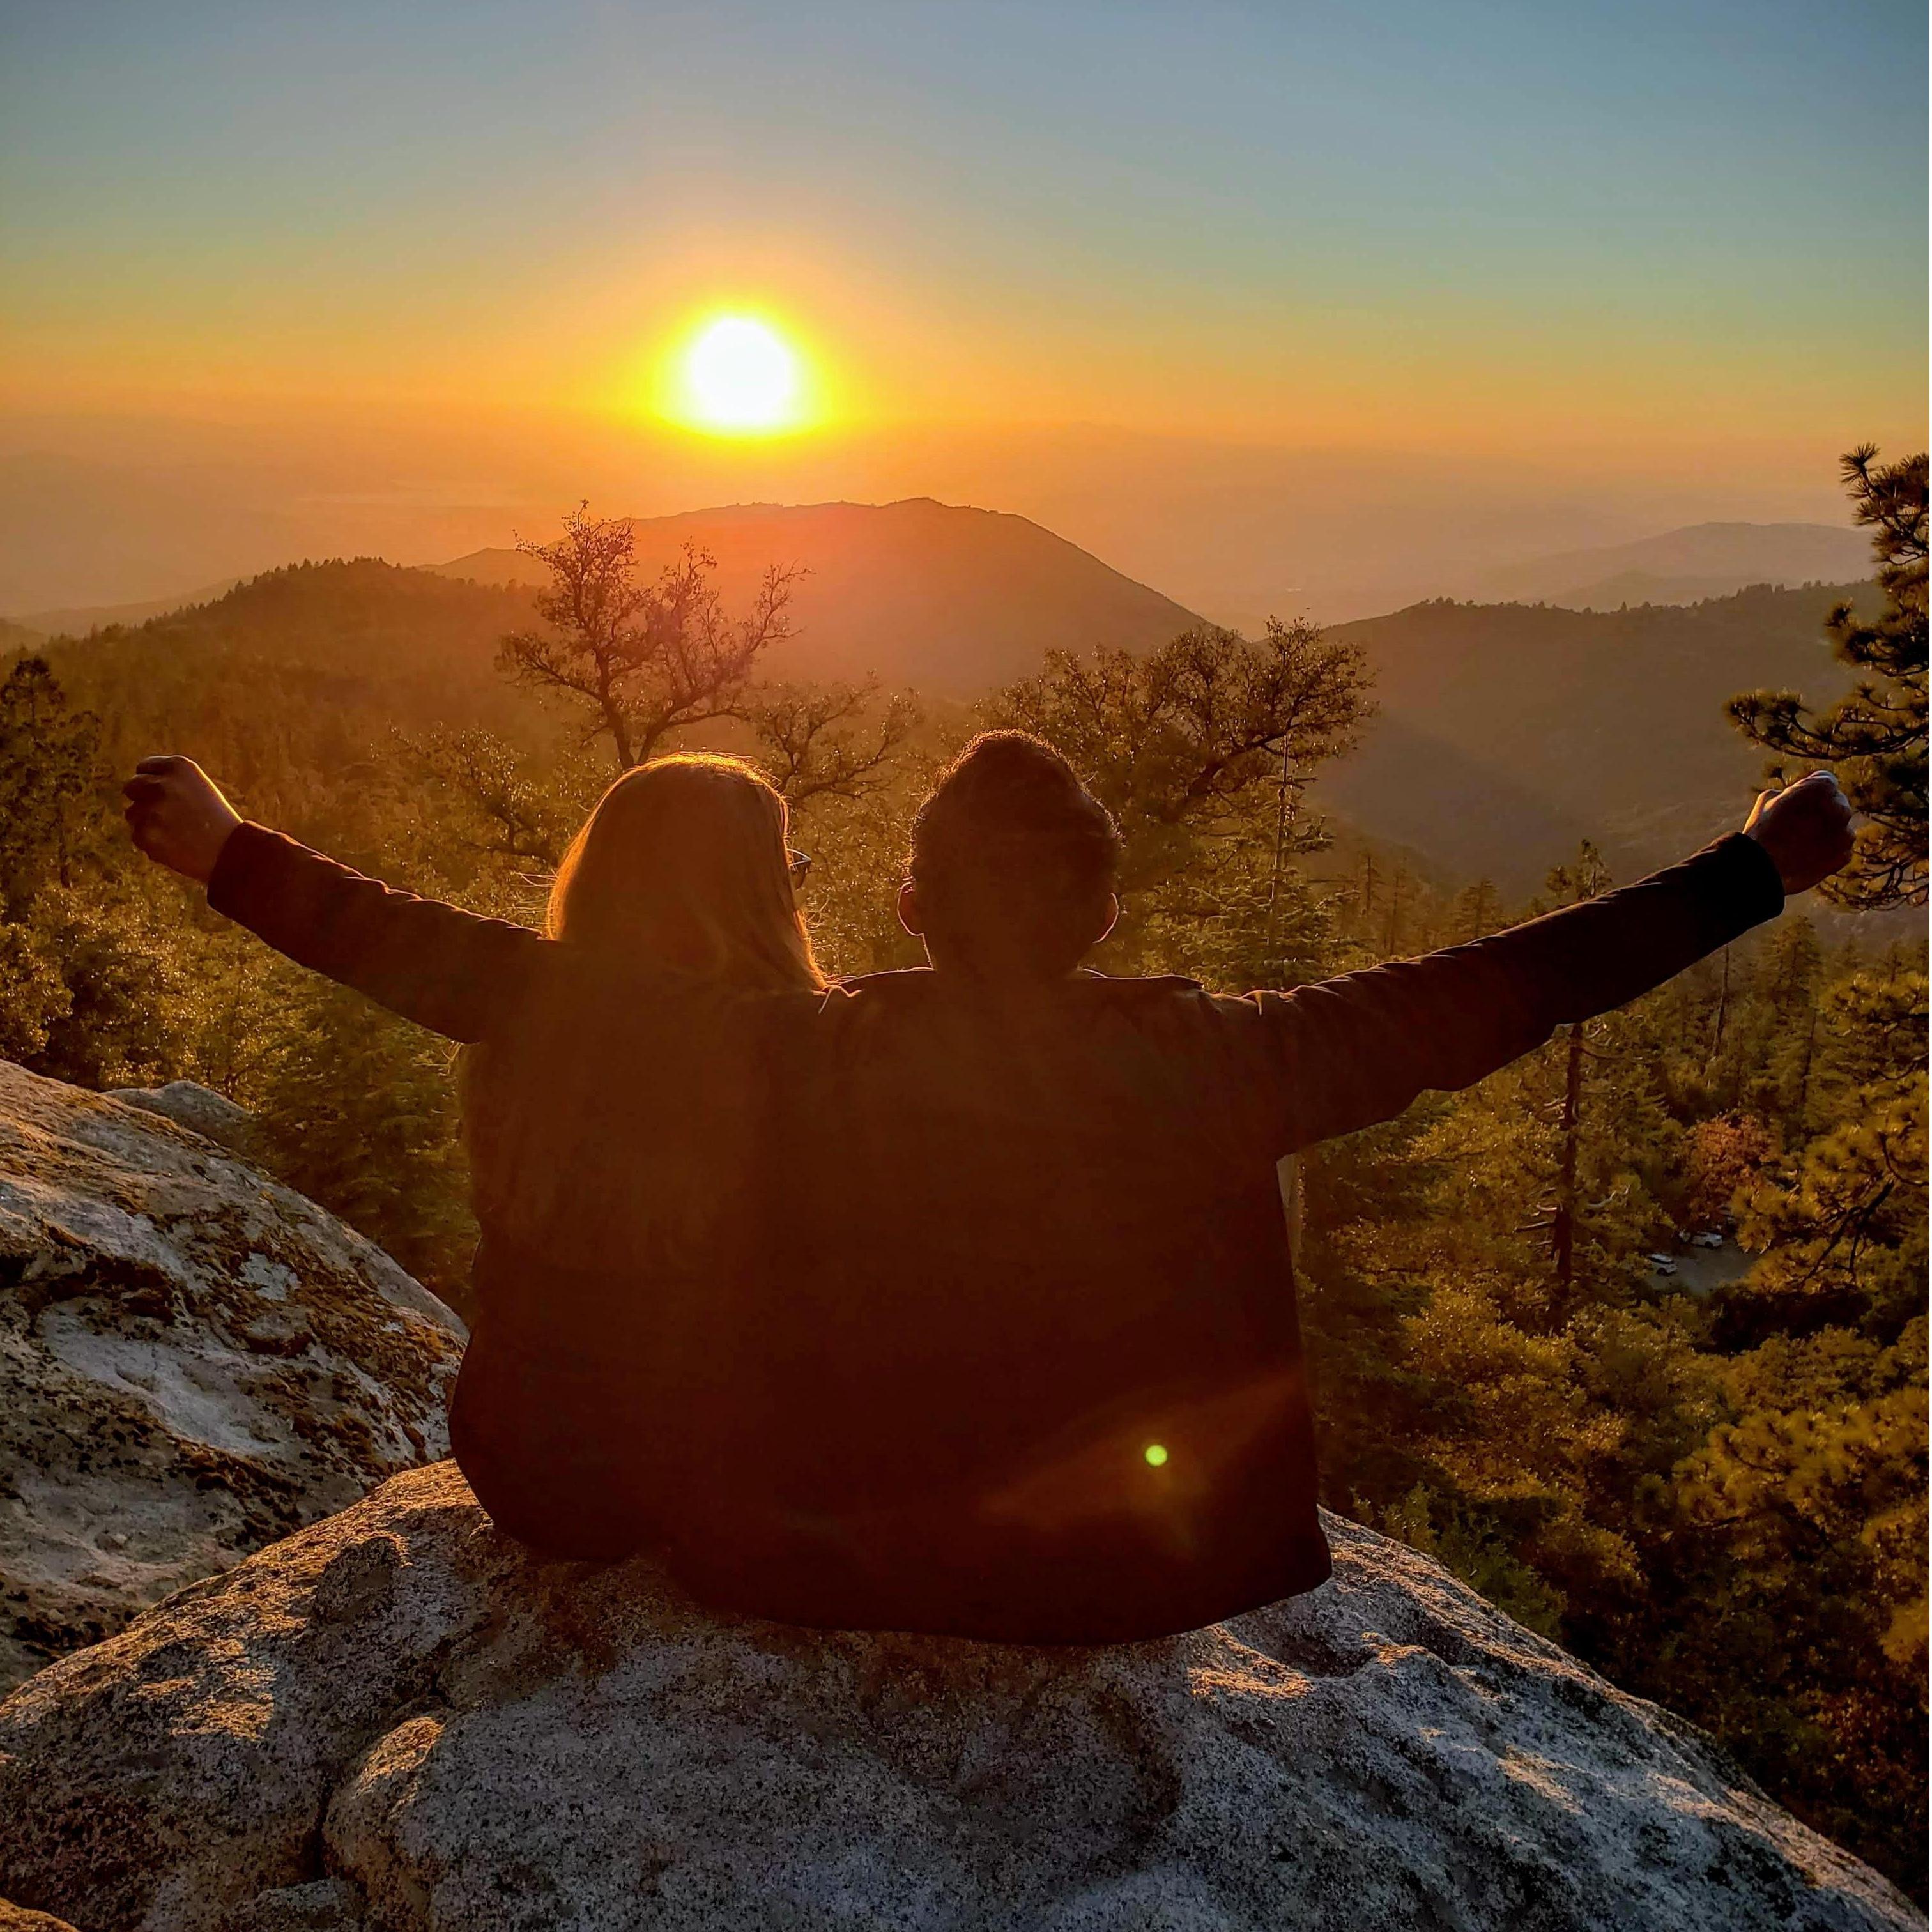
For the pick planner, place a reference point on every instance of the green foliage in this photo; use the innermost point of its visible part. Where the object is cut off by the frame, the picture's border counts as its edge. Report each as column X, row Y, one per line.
column 1716, row 1495
column 49, row 757
column 1201, row 750
column 358, row 1110
column 1715, row 1491
column 34, row 996
column 1840, row 1223
column 1875, row 737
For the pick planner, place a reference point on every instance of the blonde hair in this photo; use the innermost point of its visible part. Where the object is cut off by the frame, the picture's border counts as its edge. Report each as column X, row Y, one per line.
column 581, row 1144
column 683, row 863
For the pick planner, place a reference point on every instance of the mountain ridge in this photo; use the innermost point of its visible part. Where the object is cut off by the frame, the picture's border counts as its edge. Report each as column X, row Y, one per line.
column 1681, row 565
column 911, row 577
column 1507, row 732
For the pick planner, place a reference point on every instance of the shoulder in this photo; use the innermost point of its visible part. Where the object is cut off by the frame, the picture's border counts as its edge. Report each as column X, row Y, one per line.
column 855, row 990
column 1154, row 987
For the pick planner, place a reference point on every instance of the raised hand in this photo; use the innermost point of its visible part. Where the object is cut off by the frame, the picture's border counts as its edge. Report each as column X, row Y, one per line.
column 1806, row 829
column 177, row 815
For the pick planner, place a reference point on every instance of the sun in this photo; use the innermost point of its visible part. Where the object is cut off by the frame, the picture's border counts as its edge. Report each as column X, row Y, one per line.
column 737, row 375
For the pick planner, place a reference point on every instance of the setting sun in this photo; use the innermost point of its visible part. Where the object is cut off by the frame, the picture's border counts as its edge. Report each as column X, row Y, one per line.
column 738, row 376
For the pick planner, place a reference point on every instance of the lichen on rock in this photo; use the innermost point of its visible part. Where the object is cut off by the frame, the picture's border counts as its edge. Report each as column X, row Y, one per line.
column 398, row 1720
column 194, row 1361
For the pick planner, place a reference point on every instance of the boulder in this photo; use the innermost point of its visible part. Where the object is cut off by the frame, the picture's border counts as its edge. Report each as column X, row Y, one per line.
column 199, row 1109
column 398, row 1720
column 193, row 1361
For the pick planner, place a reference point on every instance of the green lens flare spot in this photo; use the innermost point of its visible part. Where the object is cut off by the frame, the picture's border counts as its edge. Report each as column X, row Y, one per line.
column 1155, row 1453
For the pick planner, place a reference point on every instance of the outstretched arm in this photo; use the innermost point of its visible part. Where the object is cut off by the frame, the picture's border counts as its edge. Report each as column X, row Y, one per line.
column 448, row 969
column 1352, row 1051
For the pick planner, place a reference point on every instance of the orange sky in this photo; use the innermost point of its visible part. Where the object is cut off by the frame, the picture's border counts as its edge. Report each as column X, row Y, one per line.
column 1115, row 265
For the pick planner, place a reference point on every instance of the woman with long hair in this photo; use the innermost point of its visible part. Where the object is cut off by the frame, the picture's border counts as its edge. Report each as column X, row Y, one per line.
column 616, row 1104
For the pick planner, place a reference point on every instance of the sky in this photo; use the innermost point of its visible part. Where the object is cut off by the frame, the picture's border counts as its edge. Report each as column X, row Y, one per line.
column 1594, row 265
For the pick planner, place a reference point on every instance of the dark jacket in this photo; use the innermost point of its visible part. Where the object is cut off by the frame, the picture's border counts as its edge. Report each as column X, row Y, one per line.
column 1019, row 1356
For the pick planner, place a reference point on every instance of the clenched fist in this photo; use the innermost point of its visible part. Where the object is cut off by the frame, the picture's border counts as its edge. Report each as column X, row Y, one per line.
column 177, row 816
column 1806, row 829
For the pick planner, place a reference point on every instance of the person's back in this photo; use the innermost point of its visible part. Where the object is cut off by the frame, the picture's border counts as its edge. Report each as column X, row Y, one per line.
column 1008, row 1347
column 616, row 1108
column 1034, row 1371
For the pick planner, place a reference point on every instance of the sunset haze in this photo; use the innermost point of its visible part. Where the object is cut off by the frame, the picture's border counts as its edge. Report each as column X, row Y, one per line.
column 1158, row 277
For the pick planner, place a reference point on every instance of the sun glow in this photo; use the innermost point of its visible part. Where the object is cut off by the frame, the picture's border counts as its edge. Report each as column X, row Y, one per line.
column 737, row 375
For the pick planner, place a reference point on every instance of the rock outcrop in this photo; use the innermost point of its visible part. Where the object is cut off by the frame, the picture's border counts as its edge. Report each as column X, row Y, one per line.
column 395, row 1720
column 194, row 1362
column 199, row 1109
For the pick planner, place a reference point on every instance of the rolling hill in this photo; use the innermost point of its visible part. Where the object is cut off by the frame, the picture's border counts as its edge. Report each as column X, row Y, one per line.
column 77, row 620
column 1508, row 732
column 1683, row 566
column 950, row 600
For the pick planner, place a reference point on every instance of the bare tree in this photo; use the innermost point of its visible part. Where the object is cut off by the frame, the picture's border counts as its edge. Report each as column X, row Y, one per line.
column 821, row 741
column 1173, row 739
column 641, row 661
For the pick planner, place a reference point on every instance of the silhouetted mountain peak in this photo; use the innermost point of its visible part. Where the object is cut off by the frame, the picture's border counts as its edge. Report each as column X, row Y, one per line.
column 944, row 596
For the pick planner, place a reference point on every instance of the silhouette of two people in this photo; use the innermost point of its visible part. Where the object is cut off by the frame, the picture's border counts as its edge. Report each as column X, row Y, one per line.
column 954, row 1299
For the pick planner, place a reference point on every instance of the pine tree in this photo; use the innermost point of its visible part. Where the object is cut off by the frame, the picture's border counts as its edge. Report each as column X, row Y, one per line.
column 49, row 759
column 1874, row 739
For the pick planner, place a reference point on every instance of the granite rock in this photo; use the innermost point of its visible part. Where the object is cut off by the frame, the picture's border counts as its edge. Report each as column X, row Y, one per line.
column 396, row 1721
column 194, row 1362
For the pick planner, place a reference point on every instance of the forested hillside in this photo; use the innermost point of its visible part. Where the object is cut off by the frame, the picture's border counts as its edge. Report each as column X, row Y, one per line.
column 1632, row 1336
column 303, row 669
column 1505, row 732
column 1508, row 731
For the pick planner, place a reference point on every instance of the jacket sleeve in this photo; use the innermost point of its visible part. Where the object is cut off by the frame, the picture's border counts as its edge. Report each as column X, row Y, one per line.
column 452, row 971
column 1350, row 1051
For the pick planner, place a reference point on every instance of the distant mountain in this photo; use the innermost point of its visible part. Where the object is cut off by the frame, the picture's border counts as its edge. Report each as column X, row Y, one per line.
column 1683, row 566
column 950, row 600
column 1508, row 732
column 79, row 621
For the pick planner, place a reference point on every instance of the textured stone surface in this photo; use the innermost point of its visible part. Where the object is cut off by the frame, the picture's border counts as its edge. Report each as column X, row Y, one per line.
column 18, row 1919
column 193, row 1361
column 199, row 1109
column 396, row 1721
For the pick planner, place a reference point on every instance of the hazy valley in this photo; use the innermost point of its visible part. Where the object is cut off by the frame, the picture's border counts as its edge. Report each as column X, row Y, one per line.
column 1507, row 730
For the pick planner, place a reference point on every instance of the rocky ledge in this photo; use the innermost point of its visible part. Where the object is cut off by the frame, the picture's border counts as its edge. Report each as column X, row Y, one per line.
column 395, row 1720
column 194, row 1362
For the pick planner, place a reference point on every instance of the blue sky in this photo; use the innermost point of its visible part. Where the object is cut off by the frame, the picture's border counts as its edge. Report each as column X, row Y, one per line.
column 1664, row 238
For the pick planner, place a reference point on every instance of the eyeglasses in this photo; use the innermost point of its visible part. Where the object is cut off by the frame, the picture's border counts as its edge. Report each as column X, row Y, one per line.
column 798, row 865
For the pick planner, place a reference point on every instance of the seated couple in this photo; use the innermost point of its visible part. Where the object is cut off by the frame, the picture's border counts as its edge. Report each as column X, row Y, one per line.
column 955, row 1300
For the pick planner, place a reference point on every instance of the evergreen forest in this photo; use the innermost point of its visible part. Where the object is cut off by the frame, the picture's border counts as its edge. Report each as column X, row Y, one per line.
column 1632, row 1336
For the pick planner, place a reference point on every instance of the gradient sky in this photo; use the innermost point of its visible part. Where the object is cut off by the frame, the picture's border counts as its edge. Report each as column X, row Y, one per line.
column 1644, row 234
